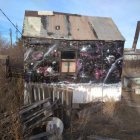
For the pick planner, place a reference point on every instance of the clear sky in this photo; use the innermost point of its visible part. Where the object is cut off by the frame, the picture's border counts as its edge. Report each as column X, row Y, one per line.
column 125, row 13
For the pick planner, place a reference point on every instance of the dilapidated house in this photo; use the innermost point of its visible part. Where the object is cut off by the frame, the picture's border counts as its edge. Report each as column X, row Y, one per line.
column 82, row 53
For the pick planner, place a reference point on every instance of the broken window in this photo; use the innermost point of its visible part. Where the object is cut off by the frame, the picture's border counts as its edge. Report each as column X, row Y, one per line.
column 68, row 55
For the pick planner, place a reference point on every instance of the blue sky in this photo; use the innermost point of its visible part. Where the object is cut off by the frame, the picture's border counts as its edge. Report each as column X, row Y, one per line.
column 125, row 13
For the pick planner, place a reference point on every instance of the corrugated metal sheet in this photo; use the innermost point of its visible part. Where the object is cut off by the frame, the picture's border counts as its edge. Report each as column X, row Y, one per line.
column 68, row 26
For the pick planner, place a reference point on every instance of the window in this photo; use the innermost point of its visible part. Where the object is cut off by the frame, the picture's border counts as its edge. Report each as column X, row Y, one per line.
column 57, row 27
column 68, row 62
column 68, row 55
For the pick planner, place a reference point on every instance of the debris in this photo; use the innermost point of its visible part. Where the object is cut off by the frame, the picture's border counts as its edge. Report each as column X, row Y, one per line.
column 55, row 126
column 37, row 115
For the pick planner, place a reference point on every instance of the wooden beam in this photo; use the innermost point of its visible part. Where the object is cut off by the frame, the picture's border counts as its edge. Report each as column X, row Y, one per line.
column 136, row 36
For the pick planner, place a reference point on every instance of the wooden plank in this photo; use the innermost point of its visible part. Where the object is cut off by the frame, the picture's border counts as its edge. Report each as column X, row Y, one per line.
column 35, row 114
column 34, row 105
column 39, row 122
column 39, row 116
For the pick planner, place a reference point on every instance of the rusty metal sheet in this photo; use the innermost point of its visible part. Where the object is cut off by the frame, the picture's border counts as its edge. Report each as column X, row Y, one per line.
column 54, row 22
column 68, row 26
column 80, row 28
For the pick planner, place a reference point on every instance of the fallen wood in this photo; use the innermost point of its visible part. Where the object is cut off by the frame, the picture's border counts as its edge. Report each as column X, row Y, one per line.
column 39, row 123
column 34, row 114
column 38, row 117
column 31, row 115
column 34, row 105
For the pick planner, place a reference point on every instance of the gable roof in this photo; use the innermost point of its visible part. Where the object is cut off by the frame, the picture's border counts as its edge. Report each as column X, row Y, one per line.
column 48, row 24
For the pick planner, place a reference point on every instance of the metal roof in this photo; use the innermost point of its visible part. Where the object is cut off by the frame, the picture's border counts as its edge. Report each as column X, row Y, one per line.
column 47, row 24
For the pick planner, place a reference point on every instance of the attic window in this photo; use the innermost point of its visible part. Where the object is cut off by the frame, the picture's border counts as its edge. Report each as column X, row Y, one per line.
column 57, row 27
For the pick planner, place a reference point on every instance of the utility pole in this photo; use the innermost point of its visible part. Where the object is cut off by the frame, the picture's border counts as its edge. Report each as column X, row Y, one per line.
column 10, row 32
column 16, row 32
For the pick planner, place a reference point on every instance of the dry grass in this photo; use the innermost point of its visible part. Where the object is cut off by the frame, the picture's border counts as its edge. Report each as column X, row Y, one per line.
column 114, row 120
column 10, row 102
column 11, row 93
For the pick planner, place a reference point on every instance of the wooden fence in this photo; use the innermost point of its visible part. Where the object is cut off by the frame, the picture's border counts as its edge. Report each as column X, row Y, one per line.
column 38, row 91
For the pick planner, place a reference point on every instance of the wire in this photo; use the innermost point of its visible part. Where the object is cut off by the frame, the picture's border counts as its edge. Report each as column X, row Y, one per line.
column 11, row 22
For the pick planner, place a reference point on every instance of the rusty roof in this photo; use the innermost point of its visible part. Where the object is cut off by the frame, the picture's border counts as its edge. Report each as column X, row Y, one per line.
column 48, row 24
